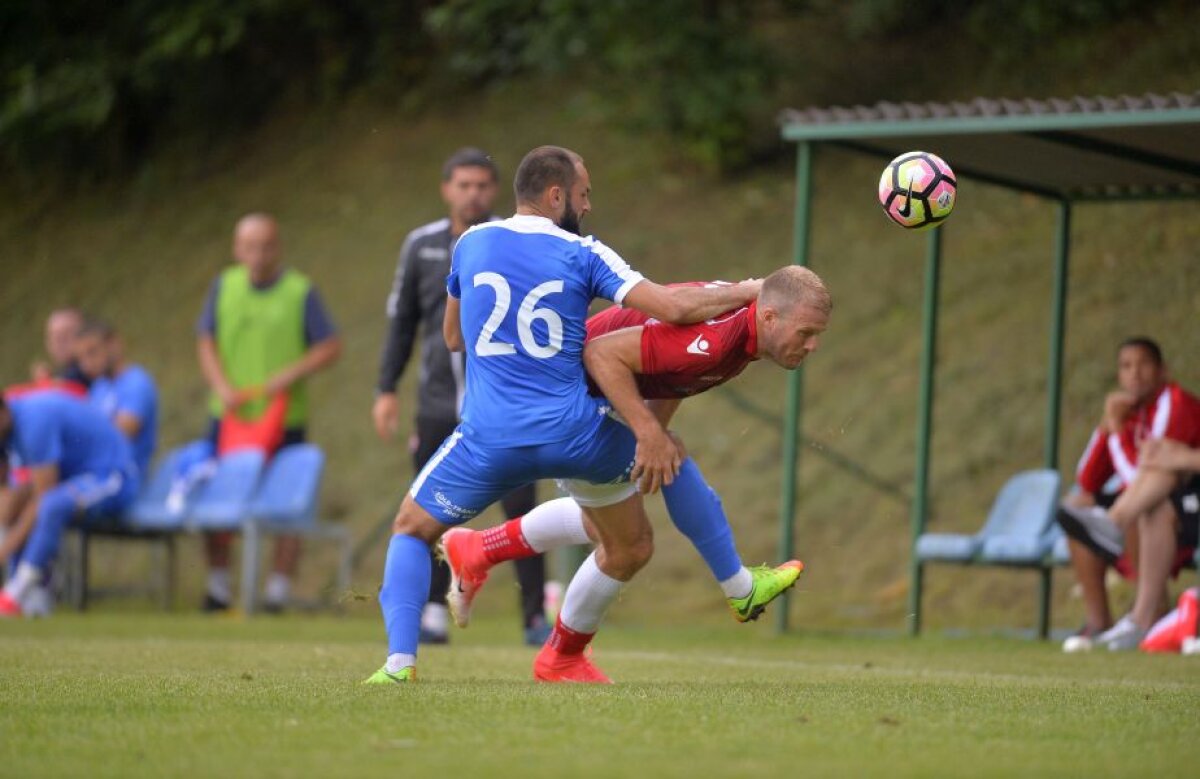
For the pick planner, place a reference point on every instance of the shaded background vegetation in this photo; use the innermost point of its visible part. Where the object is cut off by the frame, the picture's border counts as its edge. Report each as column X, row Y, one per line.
column 132, row 139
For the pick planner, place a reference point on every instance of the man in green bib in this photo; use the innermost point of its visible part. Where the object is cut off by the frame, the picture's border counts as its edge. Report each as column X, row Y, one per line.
column 263, row 331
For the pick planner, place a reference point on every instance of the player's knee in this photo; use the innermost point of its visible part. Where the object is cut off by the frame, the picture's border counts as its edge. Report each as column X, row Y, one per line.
column 412, row 520
column 641, row 551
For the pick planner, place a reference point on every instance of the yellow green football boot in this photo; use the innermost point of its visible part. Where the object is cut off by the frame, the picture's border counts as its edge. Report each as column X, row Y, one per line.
column 769, row 584
column 406, row 674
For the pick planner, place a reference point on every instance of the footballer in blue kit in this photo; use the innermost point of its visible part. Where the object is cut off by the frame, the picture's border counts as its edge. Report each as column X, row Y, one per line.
column 123, row 391
column 518, row 297
column 79, row 465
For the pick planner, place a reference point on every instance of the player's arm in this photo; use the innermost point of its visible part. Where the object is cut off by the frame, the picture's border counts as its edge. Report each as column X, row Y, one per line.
column 1169, row 455
column 687, row 305
column 42, row 478
column 403, row 319
column 613, row 360
column 452, row 325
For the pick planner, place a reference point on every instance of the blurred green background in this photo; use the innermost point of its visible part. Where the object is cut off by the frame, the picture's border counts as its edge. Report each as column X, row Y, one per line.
column 132, row 137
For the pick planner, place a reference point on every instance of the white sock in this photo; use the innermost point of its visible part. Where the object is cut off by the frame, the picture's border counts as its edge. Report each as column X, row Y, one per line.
column 554, row 524
column 279, row 587
column 26, row 576
column 220, row 585
column 589, row 595
column 435, row 618
column 399, row 660
column 738, row 585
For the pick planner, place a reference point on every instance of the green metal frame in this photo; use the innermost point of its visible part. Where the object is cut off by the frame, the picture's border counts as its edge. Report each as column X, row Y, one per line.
column 791, row 419
column 854, row 135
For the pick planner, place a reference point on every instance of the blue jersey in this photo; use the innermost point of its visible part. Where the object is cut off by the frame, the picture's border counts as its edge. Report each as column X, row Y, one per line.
column 54, row 428
column 132, row 392
column 525, row 287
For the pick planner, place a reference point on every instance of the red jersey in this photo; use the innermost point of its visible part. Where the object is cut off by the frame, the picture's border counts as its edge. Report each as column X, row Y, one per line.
column 1174, row 413
column 679, row 361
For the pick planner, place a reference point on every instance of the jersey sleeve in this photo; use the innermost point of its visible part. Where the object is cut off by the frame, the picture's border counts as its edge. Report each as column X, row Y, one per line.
column 1095, row 465
column 453, row 285
column 609, row 276
column 318, row 324
column 137, row 397
column 207, row 323
column 679, row 348
column 43, row 445
column 1176, row 416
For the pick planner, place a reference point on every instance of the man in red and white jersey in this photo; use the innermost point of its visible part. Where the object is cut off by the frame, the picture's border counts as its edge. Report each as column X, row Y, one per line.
column 630, row 354
column 1138, row 519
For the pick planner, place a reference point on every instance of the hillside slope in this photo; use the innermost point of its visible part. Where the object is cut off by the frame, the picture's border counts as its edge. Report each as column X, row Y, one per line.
column 346, row 188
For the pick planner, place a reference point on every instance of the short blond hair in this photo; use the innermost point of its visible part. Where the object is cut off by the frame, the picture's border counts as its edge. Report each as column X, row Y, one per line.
column 792, row 286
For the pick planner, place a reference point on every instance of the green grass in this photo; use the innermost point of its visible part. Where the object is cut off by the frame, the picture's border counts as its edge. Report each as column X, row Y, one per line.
column 120, row 695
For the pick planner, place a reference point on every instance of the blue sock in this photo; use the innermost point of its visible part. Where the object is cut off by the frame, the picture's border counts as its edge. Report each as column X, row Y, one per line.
column 405, row 590
column 696, row 511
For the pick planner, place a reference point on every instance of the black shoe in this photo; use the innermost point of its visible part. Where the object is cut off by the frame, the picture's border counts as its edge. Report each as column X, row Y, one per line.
column 433, row 637
column 213, row 605
column 1091, row 527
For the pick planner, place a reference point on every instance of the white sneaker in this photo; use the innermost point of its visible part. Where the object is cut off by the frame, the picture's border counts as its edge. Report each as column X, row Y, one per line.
column 1123, row 636
column 1191, row 646
column 1078, row 643
column 38, row 602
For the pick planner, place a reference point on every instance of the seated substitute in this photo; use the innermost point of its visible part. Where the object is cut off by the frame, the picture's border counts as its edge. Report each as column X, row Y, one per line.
column 1142, row 528
column 122, row 390
column 80, row 468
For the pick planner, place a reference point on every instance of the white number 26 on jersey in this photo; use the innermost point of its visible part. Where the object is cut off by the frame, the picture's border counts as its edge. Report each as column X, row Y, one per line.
column 527, row 314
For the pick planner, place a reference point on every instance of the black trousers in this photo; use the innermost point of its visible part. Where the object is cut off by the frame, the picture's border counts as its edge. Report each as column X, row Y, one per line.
column 531, row 572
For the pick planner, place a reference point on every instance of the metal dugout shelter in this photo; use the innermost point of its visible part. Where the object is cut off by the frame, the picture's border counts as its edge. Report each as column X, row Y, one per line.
column 1076, row 151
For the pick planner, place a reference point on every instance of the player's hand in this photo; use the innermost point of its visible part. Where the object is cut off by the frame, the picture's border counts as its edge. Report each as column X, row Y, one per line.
column 1166, row 454
column 233, row 399
column 275, row 385
column 751, row 287
column 386, row 415
column 1116, row 408
column 656, row 462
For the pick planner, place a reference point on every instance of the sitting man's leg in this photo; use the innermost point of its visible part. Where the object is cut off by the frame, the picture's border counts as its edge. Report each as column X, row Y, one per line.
column 87, row 496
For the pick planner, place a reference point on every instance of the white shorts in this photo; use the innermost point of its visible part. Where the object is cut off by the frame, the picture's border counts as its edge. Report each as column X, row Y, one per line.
column 594, row 496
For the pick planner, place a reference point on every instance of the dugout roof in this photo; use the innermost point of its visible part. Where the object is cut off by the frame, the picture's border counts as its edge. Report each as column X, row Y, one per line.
column 1076, row 149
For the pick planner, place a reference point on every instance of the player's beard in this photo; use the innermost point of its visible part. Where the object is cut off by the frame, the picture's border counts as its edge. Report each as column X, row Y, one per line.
column 570, row 220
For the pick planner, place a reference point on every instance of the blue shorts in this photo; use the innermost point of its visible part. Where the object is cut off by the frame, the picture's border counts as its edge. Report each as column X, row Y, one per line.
column 465, row 476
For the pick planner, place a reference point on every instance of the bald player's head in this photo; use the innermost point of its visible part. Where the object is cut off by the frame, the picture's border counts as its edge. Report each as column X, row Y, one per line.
column 793, row 312
column 256, row 245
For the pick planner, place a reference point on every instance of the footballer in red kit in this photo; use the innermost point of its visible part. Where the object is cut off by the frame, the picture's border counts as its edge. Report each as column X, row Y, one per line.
column 632, row 357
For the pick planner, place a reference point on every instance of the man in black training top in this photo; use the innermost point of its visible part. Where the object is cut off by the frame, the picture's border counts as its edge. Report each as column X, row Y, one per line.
column 417, row 303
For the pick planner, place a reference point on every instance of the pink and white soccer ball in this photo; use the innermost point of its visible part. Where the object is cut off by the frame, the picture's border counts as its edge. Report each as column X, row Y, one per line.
column 917, row 190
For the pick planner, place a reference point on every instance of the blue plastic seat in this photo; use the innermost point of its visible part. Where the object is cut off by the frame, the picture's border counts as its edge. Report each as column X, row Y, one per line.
column 947, row 547
column 222, row 502
column 150, row 510
column 1015, row 531
column 290, row 487
column 1060, row 554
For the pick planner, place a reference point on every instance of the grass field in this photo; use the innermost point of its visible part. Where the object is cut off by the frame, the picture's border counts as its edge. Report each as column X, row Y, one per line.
column 122, row 695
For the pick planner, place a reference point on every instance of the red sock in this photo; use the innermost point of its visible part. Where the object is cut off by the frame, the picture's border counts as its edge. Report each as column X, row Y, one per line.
column 566, row 641
column 506, row 542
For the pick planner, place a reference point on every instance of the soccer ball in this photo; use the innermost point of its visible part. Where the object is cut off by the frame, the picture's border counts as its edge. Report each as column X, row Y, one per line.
column 917, row 190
